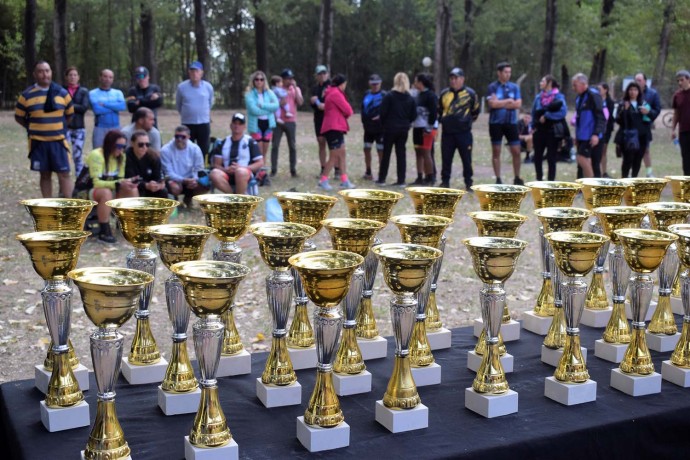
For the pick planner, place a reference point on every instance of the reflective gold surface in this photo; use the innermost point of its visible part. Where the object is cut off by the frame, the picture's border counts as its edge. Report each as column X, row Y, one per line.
column 63, row 388
column 576, row 252
column 637, row 359
column 352, row 235
column 401, row 392
column 348, row 359
column 405, row 266
column 599, row 192
column 179, row 375
column 664, row 214
column 555, row 337
column 618, row 217
column 305, row 208
column 135, row 215
column 549, row 194
column 498, row 224
column 180, row 242
column 494, row 258
column 491, row 378
column 682, row 231
column 562, row 219
column 278, row 241
column 435, row 201
column 278, row 369
column 324, row 407
column 681, row 354
column 680, row 187
column 644, row 249
column 421, row 229
column 572, row 367
column 500, row 197
column 210, row 427
column 617, row 329
column 53, row 253
column 643, row 190
column 232, row 342
column 370, row 204
column 106, row 440
column 229, row 214
column 50, row 214
column 326, row 274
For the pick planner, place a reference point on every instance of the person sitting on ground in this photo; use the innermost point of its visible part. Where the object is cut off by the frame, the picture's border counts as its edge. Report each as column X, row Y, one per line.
column 235, row 159
column 182, row 162
column 144, row 167
column 525, row 135
column 281, row 93
column 143, row 120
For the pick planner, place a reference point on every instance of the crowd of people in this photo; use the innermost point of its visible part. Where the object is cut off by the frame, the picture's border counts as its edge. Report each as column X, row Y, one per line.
column 132, row 160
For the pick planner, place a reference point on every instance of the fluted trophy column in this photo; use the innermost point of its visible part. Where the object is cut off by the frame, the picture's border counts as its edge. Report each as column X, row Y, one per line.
column 680, row 188
column 681, row 354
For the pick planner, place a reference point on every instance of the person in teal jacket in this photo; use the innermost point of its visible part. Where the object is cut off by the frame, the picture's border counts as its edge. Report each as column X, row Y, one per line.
column 261, row 105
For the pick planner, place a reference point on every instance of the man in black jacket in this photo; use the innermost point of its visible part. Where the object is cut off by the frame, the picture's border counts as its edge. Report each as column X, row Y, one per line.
column 144, row 94
column 371, row 121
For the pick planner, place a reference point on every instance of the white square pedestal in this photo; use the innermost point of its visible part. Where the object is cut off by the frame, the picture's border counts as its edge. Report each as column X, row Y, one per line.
column 42, row 377
column 178, row 403
column 595, row 318
column 474, row 361
column 491, row 406
column 439, row 339
column 375, row 348
column 612, row 352
column 352, row 384
column 636, row 385
column 674, row 374
column 427, row 375
column 677, row 306
column 536, row 324
column 65, row 418
column 302, row 358
column 316, row 439
column 129, row 457
column 510, row 330
column 139, row 375
column 239, row 364
column 230, row 451
column 277, row 396
column 398, row 421
column 570, row 394
column 552, row 357
column 650, row 310
column 662, row 342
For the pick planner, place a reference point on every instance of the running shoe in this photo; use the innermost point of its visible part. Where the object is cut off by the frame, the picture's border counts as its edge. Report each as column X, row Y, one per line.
column 325, row 185
column 347, row 184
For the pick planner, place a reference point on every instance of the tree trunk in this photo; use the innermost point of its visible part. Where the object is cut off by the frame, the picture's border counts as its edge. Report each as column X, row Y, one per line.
column 148, row 40
column 565, row 81
column 664, row 41
column 59, row 40
column 29, row 39
column 549, row 37
column 324, row 46
column 441, row 45
column 237, row 83
column 200, row 34
column 599, row 61
column 261, row 41
column 472, row 10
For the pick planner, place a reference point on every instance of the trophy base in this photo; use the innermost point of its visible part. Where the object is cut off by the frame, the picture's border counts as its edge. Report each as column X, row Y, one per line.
column 140, row 375
column 674, row 374
column 552, row 357
column 650, row 310
column 636, row 385
column 570, row 394
column 611, row 352
column 439, row 339
column 510, row 330
column 230, row 451
column 662, row 342
column 474, row 361
column 352, row 384
column 178, row 403
column 239, row 364
column 375, row 348
column 303, row 358
column 399, row 421
column 536, row 324
column 677, row 306
column 42, row 377
column 129, row 457
column 277, row 396
column 595, row 318
column 490, row 406
column 427, row 375
column 65, row 418
column 317, row 439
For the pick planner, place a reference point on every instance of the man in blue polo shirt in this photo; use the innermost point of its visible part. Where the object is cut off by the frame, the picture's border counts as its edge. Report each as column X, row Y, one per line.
column 106, row 103
column 194, row 100
column 504, row 102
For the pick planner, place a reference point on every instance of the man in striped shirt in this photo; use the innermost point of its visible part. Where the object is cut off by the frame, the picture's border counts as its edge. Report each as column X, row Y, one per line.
column 44, row 110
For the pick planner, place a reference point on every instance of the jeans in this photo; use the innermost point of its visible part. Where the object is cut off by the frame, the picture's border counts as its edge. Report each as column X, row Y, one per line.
column 99, row 135
column 397, row 139
column 290, row 129
column 461, row 141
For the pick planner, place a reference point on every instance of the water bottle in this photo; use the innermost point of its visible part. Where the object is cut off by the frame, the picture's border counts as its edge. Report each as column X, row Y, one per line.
column 253, row 187
column 676, row 142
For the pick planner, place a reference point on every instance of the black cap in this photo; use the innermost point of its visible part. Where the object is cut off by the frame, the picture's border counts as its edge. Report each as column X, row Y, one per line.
column 374, row 78
column 141, row 72
column 287, row 73
column 239, row 116
column 456, row 72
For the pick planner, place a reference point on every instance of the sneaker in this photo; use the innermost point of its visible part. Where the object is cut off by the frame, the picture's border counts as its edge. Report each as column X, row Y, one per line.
column 325, row 185
column 606, row 176
column 468, row 189
column 294, row 174
column 266, row 181
column 106, row 238
column 399, row 184
column 428, row 182
column 445, row 185
column 518, row 181
column 418, row 181
column 498, row 180
column 380, row 183
column 529, row 160
column 347, row 184
column 368, row 177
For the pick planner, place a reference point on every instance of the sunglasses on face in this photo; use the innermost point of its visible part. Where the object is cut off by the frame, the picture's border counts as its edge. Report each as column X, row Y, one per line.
column 180, row 137
column 120, row 146
column 144, row 144
column 258, row 79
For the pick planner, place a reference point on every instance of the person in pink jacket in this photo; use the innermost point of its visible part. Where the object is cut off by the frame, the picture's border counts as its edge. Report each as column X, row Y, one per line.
column 336, row 112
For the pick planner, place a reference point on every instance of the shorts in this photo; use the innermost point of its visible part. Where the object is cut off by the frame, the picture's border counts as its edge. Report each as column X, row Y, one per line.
column 370, row 138
column 422, row 139
column 318, row 122
column 49, row 156
column 265, row 133
column 498, row 131
column 334, row 139
column 229, row 178
column 584, row 149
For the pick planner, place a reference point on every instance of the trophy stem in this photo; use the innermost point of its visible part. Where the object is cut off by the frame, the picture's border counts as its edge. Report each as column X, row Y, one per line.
column 227, row 251
column 637, row 359
column 57, row 296
column 663, row 321
column 681, row 355
column 571, row 367
column 63, row 388
column 71, row 354
column 675, row 291
column 491, row 377
column 506, row 313
column 179, row 375
column 348, row 359
column 144, row 350
column 232, row 344
column 420, row 350
column 278, row 369
column 433, row 318
column 480, row 347
column 401, row 392
column 596, row 295
column 106, row 440
column 301, row 333
column 366, row 322
column 544, row 305
column 555, row 337
column 617, row 330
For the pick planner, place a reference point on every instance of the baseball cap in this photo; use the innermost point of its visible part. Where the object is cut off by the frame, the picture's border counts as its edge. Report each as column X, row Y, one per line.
column 141, row 72
column 374, row 78
column 683, row 73
column 238, row 116
column 320, row 69
column 287, row 73
column 196, row 65
column 456, row 72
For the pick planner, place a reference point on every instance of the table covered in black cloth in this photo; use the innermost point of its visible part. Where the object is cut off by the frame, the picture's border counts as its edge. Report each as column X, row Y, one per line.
column 615, row 426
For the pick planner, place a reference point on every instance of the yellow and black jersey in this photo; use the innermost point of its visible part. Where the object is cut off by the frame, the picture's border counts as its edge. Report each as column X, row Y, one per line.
column 42, row 125
column 458, row 109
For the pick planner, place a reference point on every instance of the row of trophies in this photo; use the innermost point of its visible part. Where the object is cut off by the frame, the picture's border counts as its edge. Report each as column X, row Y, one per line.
column 341, row 339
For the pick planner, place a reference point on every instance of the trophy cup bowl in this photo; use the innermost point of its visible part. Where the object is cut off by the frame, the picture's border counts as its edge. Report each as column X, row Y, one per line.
column 500, row 197
column 682, row 231
column 549, row 194
column 494, row 258
column 681, row 354
column 326, row 274
column 180, row 242
column 599, row 192
column 370, row 204
column 58, row 213
column 680, row 187
column 421, row 229
column 644, row 249
column 643, row 190
column 135, row 215
column 229, row 214
column 53, row 253
column 619, row 217
column 279, row 241
column 352, row 235
column 498, row 224
column 562, row 219
column 663, row 214
column 576, row 251
column 305, row 208
column 405, row 266
column 435, row 201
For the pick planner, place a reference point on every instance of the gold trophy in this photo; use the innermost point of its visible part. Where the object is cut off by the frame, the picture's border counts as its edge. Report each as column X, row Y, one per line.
column 642, row 190
column 135, row 215
column 178, row 393
column 326, row 279
column 278, row 241
column 352, row 235
column 53, row 254
column 209, row 287
column 230, row 215
column 50, row 214
column 110, row 297
column 375, row 205
column 680, row 188
column 500, row 197
column 423, row 230
column 677, row 369
column 644, row 250
column 494, row 261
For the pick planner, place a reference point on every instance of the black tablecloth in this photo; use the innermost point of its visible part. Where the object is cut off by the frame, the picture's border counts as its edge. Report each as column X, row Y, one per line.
column 615, row 426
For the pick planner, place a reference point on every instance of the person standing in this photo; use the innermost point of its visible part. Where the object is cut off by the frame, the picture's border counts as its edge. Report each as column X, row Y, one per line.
column 651, row 97
column 144, row 94
column 458, row 107
column 106, row 103
column 630, row 117
column 318, row 104
column 680, row 128
column 334, row 127
column 424, row 128
column 548, row 117
column 293, row 99
column 194, row 100
column 504, row 102
column 44, row 109
column 261, row 104
column 371, row 121
column 398, row 111
column 609, row 108
column 590, row 125
column 76, row 129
